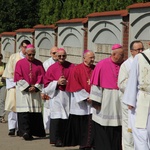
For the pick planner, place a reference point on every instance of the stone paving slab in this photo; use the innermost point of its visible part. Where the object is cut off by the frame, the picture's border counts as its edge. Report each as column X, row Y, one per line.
column 17, row 143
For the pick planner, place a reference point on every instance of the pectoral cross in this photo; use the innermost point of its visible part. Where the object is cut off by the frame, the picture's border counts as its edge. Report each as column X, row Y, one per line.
column 30, row 68
column 88, row 81
column 30, row 75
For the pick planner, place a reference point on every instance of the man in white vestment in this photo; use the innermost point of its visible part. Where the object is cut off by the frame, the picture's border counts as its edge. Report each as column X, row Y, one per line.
column 10, row 103
column 127, row 138
column 137, row 97
column 46, row 109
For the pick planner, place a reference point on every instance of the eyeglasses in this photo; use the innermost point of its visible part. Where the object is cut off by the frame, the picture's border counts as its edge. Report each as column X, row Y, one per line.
column 61, row 56
column 54, row 53
column 139, row 49
column 31, row 54
column 24, row 46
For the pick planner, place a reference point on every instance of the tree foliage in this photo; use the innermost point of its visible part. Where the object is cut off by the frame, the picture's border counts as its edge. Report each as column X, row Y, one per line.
column 15, row 14
column 18, row 14
column 49, row 13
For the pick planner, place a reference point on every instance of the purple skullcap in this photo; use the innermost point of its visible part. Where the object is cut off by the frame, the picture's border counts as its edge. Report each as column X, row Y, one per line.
column 60, row 49
column 30, row 46
column 116, row 46
column 85, row 51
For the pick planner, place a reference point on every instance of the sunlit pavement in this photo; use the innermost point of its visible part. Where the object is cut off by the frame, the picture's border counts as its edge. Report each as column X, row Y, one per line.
column 18, row 143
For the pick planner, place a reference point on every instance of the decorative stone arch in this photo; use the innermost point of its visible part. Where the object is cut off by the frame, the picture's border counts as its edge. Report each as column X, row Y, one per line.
column 8, row 44
column 45, row 37
column 71, row 35
column 73, row 46
column 20, row 39
column 139, row 23
column 24, row 34
column 104, row 30
column 106, row 34
column 74, row 40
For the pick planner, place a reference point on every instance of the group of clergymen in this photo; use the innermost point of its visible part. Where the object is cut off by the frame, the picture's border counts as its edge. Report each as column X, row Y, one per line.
column 101, row 107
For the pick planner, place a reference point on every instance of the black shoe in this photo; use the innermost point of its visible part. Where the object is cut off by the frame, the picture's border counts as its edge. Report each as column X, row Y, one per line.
column 2, row 120
column 58, row 143
column 86, row 149
column 17, row 133
column 27, row 137
column 11, row 132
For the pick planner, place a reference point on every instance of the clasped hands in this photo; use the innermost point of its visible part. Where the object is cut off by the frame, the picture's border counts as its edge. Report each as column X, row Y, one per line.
column 130, row 107
column 45, row 96
column 89, row 100
column 31, row 89
column 94, row 104
column 62, row 81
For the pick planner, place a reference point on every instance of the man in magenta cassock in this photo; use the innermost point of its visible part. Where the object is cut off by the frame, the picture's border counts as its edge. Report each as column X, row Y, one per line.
column 29, row 73
column 80, row 129
column 55, row 82
column 104, row 94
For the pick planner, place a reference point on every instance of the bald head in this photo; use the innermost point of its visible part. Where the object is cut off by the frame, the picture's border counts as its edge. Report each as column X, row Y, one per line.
column 117, row 55
column 53, row 52
column 89, row 58
column 61, row 55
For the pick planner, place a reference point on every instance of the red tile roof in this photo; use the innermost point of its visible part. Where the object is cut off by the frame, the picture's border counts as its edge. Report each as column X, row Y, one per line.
column 8, row 34
column 41, row 26
column 109, row 13
column 76, row 20
column 25, row 30
column 139, row 5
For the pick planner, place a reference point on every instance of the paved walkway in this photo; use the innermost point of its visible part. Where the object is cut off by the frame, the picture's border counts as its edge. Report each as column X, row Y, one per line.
column 17, row 143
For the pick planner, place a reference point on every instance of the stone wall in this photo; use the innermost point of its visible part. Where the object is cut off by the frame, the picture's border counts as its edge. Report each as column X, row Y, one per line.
column 97, row 32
